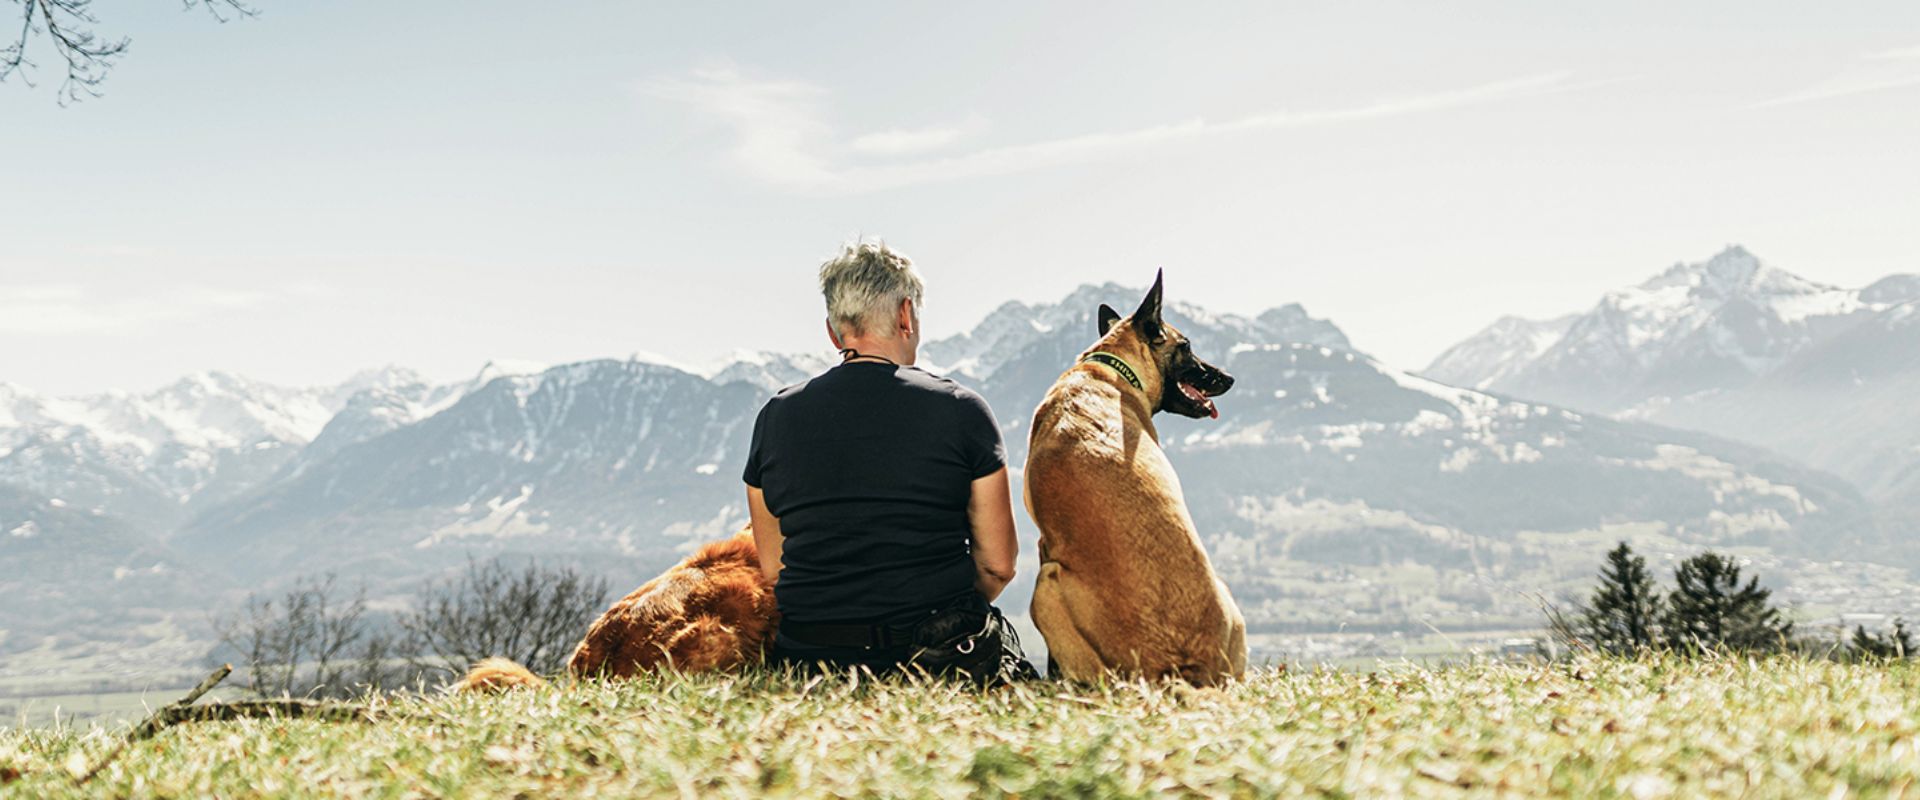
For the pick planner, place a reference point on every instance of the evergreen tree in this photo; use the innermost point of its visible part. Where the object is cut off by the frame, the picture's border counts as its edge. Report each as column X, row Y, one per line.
column 1709, row 609
column 1625, row 609
column 1897, row 643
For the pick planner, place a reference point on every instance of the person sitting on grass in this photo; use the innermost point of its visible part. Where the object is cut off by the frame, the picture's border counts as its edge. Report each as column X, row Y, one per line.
column 879, row 496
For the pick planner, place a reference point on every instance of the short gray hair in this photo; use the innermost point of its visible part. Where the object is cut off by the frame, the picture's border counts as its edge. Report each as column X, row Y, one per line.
column 863, row 286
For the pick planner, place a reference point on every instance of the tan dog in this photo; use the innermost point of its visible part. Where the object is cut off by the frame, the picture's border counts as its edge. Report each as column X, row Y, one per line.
column 1125, row 586
column 713, row 611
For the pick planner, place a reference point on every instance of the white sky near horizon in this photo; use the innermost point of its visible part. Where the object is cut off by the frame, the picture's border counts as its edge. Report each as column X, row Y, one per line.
column 337, row 186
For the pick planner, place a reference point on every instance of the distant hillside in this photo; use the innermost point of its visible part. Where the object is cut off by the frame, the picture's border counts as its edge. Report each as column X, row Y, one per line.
column 74, row 577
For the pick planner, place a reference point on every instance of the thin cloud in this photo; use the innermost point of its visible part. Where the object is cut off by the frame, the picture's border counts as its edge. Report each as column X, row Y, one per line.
column 1874, row 72
column 777, row 122
column 913, row 142
column 55, row 309
column 782, row 136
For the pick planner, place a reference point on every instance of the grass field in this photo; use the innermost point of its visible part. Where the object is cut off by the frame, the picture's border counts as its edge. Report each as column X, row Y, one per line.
column 1651, row 728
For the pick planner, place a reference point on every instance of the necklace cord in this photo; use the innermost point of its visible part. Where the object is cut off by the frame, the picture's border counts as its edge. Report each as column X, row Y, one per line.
column 848, row 354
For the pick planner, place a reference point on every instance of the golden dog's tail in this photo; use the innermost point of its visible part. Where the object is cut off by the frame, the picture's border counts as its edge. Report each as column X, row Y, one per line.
column 496, row 675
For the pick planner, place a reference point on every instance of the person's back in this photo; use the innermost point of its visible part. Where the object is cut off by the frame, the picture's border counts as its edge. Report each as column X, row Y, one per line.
column 869, row 468
column 879, row 495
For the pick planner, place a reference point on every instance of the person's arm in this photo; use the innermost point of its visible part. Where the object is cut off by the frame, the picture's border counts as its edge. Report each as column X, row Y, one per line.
column 995, row 547
column 766, row 534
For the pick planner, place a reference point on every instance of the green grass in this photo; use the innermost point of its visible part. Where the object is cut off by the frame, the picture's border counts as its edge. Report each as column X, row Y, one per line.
column 1771, row 728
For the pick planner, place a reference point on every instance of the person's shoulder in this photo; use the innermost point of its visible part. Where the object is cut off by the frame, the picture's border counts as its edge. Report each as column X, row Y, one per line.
column 790, row 391
column 782, row 397
column 946, row 386
column 920, row 377
column 797, row 388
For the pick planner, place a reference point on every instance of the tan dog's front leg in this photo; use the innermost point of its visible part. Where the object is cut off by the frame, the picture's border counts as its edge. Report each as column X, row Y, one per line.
column 1237, row 648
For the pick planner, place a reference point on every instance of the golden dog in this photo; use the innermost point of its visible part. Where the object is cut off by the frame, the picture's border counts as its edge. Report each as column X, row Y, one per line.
column 713, row 611
column 1125, row 585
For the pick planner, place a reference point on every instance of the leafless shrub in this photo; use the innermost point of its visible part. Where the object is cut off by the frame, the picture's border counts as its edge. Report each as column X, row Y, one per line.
column 534, row 615
column 310, row 641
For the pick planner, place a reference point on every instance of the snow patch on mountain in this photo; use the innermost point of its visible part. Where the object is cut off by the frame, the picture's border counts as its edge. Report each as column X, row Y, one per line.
column 503, row 518
column 1728, row 481
column 768, row 370
column 694, row 533
column 1493, row 353
column 1296, row 515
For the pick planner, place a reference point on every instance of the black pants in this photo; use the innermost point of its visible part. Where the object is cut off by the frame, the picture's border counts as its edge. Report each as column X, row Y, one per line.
column 880, row 660
column 810, row 659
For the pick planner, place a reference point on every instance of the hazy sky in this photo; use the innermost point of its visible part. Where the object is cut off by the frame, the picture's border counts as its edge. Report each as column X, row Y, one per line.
column 345, row 184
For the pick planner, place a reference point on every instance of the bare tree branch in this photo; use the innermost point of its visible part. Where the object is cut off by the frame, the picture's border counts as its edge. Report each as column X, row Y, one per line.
column 534, row 616
column 221, row 8
column 68, row 27
column 309, row 643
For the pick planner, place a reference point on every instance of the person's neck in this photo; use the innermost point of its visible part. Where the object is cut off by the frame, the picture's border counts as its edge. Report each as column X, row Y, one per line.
column 898, row 351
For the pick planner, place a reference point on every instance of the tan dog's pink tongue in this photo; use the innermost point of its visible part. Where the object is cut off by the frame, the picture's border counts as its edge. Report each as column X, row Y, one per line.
column 1193, row 393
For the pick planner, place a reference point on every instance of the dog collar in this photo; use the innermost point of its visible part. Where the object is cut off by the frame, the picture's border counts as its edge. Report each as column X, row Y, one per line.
column 1118, row 364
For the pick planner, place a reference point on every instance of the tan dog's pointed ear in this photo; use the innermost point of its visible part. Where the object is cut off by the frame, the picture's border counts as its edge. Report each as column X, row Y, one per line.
column 1108, row 316
column 1146, row 318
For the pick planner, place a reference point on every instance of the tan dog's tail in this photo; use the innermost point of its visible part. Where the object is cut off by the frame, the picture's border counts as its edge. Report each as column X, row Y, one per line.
column 496, row 675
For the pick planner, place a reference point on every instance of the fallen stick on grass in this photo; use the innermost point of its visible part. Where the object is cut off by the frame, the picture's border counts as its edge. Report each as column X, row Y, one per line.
column 183, row 711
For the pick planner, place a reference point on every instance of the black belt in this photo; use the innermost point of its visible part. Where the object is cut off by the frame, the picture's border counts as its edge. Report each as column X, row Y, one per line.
column 863, row 635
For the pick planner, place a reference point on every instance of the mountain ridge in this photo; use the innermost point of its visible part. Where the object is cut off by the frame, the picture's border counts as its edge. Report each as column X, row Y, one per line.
column 1744, row 351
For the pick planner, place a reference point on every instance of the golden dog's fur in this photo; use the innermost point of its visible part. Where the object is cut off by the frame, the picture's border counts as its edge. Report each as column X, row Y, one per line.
column 1124, row 585
column 713, row 611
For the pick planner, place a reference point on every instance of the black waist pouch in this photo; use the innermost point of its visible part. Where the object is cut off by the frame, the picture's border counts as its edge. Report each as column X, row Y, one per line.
column 972, row 641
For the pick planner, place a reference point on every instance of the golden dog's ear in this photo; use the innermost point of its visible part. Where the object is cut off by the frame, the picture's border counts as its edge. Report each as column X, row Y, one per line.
column 1108, row 316
column 1146, row 318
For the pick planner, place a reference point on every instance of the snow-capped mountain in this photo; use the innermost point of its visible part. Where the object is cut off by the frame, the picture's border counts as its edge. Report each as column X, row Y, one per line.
column 1739, row 349
column 156, row 455
column 623, row 458
column 770, row 371
column 401, row 400
column 1494, row 354
column 1847, row 405
column 1014, row 326
column 1695, row 327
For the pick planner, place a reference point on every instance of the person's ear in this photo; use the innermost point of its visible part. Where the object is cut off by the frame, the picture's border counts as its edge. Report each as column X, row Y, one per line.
column 1108, row 316
column 906, row 318
column 833, row 335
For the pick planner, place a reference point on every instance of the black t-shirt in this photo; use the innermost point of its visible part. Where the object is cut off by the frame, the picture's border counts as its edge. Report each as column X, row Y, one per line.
column 869, row 467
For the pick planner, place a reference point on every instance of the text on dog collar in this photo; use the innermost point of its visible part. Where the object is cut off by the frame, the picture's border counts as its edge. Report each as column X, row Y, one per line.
column 1119, row 365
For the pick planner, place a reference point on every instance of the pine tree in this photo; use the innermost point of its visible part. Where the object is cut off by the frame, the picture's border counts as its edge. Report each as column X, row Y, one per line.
column 1709, row 609
column 1625, row 609
column 1894, row 644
